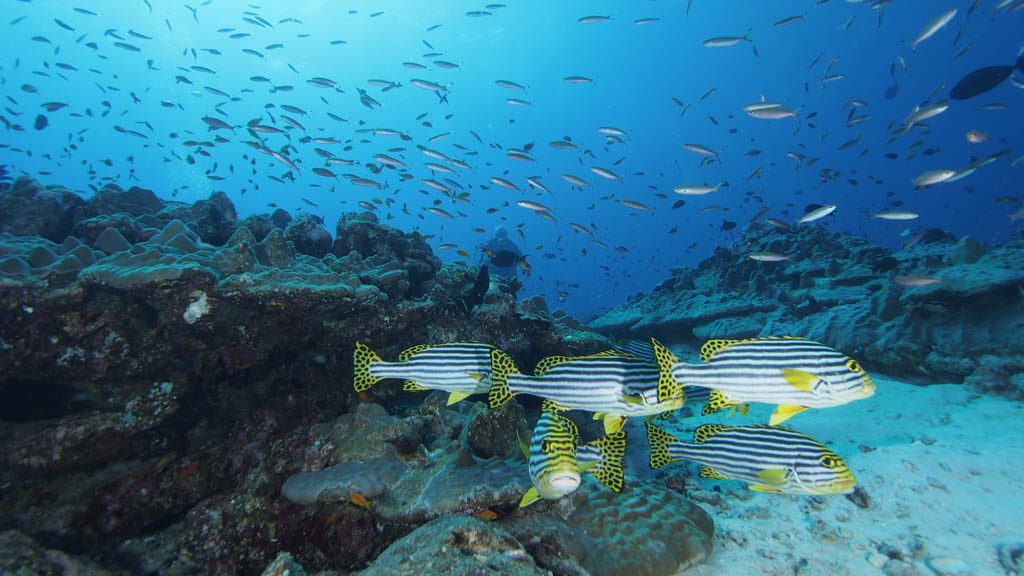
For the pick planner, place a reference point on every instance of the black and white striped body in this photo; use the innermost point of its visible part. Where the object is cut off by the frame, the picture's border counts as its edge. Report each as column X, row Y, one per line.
column 769, row 458
column 783, row 371
column 456, row 367
column 618, row 384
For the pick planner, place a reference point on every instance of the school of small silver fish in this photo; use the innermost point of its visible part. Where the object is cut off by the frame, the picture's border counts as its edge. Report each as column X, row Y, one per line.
column 646, row 380
column 459, row 141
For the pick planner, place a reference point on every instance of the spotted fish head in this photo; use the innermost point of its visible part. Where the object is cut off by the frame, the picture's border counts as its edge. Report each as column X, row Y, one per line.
column 850, row 382
column 831, row 375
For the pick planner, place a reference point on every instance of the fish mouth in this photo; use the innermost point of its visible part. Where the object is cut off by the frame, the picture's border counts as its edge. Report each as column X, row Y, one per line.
column 565, row 483
column 869, row 387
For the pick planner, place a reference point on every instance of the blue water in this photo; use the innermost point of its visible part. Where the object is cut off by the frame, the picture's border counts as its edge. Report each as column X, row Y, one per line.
column 636, row 69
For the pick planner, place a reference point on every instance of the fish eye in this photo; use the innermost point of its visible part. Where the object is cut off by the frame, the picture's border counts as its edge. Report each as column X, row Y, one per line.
column 853, row 365
column 829, row 461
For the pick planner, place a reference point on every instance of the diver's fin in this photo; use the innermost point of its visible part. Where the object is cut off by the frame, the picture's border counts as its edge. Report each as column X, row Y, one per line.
column 784, row 412
column 659, row 441
column 456, row 397
column 802, row 381
column 412, row 386
column 530, row 497
column 709, row 472
column 502, row 366
column 705, row 431
column 608, row 468
column 363, row 359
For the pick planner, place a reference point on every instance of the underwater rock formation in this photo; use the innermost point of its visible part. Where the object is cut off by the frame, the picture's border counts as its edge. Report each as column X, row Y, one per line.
column 840, row 290
column 165, row 368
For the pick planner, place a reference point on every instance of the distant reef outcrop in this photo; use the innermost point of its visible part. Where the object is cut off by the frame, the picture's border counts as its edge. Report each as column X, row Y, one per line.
column 860, row 298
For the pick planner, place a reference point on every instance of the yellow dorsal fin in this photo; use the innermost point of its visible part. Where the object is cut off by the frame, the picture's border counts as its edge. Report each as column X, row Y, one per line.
column 659, row 441
column 412, row 351
column 668, row 388
column 413, row 386
column 553, row 406
column 608, row 469
column 705, row 431
column 548, row 363
column 802, row 381
column 530, row 497
column 716, row 401
column 456, row 397
column 570, row 427
column 712, row 347
column 784, row 412
column 613, row 423
column 709, row 472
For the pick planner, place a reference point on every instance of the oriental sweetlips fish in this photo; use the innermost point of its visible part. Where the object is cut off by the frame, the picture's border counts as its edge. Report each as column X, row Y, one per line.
column 612, row 384
column 462, row 368
column 793, row 373
column 556, row 458
column 768, row 458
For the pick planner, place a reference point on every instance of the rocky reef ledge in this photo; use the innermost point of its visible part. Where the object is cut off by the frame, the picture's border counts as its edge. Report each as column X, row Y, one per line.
column 166, row 369
column 860, row 298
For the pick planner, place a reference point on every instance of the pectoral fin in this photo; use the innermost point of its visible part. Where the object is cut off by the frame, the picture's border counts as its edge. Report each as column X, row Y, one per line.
column 802, row 381
column 773, row 478
column 530, row 497
column 784, row 412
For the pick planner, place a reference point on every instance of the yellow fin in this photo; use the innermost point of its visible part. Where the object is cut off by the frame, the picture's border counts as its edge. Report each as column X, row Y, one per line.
column 709, row 472
column 772, row 478
column 668, row 388
column 613, row 423
column 413, row 386
column 523, row 446
column 784, row 412
column 412, row 351
column 741, row 408
column 716, row 401
column 456, row 397
column 802, row 381
column 502, row 366
column 363, row 358
column 530, row 497
column 636, row 400
column 476, row 377
column 712, row 347
column 705, row 431
column 608, row 469
column 552, row 406
column 758, row 488
column 548, row 363
column 659, row 441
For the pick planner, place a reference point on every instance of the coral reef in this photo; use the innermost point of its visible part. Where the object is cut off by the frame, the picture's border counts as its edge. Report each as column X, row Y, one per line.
column 840, row 290
column 169, row 370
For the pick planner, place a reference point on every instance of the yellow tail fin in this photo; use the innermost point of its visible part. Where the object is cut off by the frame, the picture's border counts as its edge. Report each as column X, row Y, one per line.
column 502, row 366
column 363, row 359
column 659, row 441
column 609, row 468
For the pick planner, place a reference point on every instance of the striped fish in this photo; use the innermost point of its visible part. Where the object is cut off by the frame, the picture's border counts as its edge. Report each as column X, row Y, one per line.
column 461, row 368
column 645, row 350
column 793, row 373
column 556, row 458
column 768, row 458
column 612, row 384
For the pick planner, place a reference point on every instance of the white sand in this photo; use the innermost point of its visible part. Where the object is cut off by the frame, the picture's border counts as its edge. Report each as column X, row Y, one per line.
column 944, row 478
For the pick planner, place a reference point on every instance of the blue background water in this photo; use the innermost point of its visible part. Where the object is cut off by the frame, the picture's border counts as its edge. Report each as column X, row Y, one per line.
column 637, row 70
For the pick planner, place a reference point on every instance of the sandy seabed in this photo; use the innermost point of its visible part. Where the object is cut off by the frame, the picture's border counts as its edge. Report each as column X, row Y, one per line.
column 942, row 467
